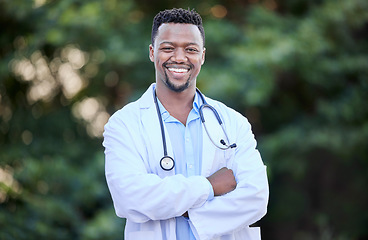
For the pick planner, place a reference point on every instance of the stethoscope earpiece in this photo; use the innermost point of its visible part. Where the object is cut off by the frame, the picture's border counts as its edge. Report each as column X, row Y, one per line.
column 222, row 141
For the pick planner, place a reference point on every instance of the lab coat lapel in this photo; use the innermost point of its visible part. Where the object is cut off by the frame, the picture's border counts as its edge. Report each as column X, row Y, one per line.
column 209, row 149
column 151, row 125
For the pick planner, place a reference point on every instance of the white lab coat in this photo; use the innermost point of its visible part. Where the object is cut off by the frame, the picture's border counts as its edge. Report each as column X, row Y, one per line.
column 150, row 198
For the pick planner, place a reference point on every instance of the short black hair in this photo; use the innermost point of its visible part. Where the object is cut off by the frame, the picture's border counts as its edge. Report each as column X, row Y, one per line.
column 176, row 15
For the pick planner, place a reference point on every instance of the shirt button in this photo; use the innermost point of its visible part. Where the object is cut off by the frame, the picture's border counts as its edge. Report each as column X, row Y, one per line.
column 190, row 166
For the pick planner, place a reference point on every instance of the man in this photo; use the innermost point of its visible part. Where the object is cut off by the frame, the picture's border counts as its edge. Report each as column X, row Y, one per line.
column 168, row 176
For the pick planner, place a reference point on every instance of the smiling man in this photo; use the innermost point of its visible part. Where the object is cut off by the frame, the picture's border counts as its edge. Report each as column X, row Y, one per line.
column 178, row 164
column 178, row 53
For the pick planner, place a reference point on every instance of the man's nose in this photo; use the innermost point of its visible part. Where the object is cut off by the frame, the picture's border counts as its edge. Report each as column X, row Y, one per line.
column 179, row 55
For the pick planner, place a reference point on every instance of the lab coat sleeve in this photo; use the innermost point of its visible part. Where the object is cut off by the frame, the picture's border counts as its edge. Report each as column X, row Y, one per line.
column 138, row 194
column 247, row 203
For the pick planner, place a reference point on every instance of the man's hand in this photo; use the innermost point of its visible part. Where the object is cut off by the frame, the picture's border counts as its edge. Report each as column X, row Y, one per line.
column 222, row 181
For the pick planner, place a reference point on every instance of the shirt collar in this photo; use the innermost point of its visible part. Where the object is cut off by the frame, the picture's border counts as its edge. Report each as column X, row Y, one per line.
column 164, row 113
column 196, row 103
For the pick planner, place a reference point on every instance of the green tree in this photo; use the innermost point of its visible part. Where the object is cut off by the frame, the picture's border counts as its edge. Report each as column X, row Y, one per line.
column 297, row 69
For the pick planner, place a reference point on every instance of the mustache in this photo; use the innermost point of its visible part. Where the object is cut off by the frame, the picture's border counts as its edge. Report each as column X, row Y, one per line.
column 166, row 64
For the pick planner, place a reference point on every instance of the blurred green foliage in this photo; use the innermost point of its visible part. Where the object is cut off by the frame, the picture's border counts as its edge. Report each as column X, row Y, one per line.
column 297, row 69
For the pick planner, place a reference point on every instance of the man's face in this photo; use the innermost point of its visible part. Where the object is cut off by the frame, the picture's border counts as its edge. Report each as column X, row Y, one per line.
column 178, row 55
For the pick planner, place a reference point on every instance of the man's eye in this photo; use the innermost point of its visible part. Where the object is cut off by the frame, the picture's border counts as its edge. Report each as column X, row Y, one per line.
column 192, row 50
column 167, row 48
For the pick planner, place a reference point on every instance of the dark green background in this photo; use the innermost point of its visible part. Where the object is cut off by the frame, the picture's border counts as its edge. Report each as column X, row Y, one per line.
column 297, row 69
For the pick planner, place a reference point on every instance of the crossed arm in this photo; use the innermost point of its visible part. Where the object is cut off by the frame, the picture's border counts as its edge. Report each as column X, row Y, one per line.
column 129, row 182
column 222, row 181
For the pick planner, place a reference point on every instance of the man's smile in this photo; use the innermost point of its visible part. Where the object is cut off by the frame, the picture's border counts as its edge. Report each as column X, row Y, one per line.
column 177, row 70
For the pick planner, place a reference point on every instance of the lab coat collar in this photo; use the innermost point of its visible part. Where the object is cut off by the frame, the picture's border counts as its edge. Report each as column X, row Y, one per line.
column 146, row 100
column 209, row 150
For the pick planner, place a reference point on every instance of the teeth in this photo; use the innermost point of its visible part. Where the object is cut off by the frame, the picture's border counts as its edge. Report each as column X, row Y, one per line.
column 178, row 70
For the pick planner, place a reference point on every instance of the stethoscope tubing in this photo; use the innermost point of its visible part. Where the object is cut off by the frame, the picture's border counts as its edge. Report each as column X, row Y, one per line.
column 167, row 163
column 161, row 123
column 214, row 111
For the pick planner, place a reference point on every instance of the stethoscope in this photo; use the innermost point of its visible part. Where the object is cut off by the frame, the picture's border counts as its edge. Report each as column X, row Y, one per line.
column 167, row 163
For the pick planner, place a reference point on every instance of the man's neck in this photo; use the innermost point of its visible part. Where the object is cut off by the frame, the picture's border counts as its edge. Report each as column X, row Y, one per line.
column 178, row 104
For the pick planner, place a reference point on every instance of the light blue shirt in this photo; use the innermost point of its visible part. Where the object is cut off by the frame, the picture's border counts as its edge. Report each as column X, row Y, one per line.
column 187, row 148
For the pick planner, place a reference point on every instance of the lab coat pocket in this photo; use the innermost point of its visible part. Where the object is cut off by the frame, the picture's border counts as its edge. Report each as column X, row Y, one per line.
column 254, row 233
column 141, row 235
column 229, row 157
column 249, row 233
column 223, row 158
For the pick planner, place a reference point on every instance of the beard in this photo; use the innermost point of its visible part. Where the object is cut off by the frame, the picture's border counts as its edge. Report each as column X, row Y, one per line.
column 176, row 88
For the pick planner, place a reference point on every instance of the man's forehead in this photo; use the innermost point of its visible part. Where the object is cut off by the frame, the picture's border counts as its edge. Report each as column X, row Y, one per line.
column 179, row 31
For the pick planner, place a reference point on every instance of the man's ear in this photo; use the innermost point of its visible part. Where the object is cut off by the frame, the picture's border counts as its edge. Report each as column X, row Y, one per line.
column 203, row 55
column 151, row 55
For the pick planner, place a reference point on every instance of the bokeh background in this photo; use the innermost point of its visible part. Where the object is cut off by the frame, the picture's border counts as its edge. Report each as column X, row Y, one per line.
column 297, row 69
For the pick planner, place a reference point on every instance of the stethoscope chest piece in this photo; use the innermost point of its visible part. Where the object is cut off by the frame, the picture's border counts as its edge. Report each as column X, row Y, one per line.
column 167, row 163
